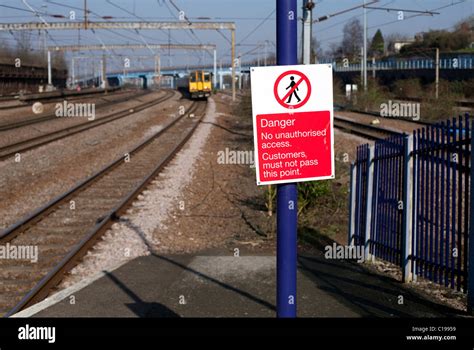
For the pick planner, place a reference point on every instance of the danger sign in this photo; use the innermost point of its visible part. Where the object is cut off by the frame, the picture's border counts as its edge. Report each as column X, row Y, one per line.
column 292, row 109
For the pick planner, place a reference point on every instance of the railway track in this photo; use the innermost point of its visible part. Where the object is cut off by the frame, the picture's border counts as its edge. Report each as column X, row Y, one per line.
column 25, row 145
column 8, row 98
column 62, row 94
column 229, row 93
column 375, row 114
column 27, row 100
column 11, row 103
column 63, row 236
column 52, row 116
column 367, row 131
column 459, row 103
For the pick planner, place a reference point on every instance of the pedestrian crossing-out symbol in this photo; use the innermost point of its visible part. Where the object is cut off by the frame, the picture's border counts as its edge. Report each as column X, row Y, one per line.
column 292, row 89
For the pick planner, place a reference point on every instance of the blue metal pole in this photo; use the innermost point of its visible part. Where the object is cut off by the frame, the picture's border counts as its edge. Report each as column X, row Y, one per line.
column 287, row 194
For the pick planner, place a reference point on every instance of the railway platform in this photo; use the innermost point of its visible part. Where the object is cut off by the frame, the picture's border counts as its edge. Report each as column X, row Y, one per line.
column 217, row 285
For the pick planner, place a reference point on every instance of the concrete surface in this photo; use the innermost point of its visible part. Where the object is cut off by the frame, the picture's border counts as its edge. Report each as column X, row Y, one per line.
column 227, row 286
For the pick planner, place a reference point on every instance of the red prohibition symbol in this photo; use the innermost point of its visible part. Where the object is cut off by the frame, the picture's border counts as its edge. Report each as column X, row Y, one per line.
column 300, row 77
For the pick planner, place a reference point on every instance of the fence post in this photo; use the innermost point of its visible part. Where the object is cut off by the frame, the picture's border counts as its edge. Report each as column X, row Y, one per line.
column 407, row 244
column 352, row 194
column 470, row 263
column 369, row 194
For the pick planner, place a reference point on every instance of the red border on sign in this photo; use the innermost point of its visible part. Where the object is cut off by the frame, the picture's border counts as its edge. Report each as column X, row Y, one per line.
column 275, row 89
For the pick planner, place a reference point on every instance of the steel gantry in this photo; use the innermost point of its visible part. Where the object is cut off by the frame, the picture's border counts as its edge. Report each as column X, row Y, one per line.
column 153, row 25
column 72, row 48
column 130, row 46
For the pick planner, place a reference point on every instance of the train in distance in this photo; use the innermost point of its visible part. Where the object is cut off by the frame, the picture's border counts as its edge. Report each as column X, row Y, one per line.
column 197, row 84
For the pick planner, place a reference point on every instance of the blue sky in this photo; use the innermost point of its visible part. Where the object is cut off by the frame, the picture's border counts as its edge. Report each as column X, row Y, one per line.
column 254, row 20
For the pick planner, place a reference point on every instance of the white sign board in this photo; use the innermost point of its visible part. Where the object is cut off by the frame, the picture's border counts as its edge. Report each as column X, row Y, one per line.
column 292, row 109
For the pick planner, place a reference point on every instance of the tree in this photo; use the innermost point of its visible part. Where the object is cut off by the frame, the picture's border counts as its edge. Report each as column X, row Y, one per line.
column 458, row 39
column 466, row 24
column 391, row 39
column 316, row 51
column 377, row 46
column 353, row 39
column 334, row 52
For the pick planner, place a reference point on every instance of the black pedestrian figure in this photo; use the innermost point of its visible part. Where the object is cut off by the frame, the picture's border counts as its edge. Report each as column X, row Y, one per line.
column 294, row 91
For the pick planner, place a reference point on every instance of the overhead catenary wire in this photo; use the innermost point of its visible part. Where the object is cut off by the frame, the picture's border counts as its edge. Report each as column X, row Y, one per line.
column 130, row 13
column 401, row 10
column 145, row 42
column 328, row 40
column 323, row 18
column 349, row 19
column 257, row 27
column 194, row 36
column 138, row 36
column 29, row 11
column 35, row 12
column 122, row 35
column 185, row 17
column 223, row 35
column 101, row 41
column 79, row 9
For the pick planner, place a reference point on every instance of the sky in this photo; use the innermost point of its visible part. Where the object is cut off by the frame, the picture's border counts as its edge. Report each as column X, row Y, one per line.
column 254, row 19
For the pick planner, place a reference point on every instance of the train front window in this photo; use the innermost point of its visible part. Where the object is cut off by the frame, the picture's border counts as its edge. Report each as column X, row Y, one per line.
column 207, row 77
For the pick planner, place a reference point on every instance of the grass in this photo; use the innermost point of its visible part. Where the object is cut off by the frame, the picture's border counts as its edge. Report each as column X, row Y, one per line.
column 432, row 109
column 322, row 205
column 326, row 213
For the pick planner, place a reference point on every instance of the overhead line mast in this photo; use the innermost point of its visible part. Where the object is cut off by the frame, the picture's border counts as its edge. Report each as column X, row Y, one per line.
column 85, row 14
column 132, row 25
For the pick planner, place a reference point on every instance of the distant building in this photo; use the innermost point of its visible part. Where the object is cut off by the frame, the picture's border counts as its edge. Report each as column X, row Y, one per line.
column 397, row 45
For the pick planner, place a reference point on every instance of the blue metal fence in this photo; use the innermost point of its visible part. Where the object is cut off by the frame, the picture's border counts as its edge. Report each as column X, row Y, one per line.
column 445, row 63
column 387, row 197
column 360, row 194
column 417, row 189
column 441, row 219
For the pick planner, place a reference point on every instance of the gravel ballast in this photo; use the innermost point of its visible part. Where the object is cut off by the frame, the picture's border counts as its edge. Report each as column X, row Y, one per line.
column 137, row 231
column 50, row 170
